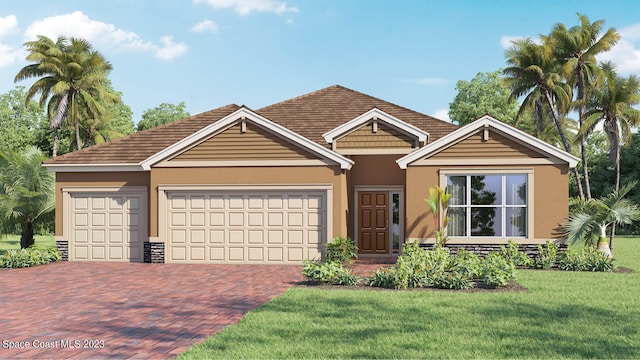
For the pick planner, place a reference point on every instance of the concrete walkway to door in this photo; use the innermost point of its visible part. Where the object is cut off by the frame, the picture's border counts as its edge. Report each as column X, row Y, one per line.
column 127, row 310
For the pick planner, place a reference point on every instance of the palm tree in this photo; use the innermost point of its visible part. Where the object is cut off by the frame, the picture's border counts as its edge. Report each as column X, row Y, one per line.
column 71, row 75
column 577, row 48
column 534, row 73
column 98, row 129
column 26, row 192
column 45, row 55
column 611, row 103
column 590, row 218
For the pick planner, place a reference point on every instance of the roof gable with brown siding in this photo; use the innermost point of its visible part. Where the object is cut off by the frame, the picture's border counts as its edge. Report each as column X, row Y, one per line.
column 382, row 137
column 254, row 143
column 139, row 146
column 495, row 146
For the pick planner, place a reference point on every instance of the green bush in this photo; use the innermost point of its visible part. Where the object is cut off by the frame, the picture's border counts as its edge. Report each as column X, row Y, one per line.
column 437, row 261
column 411, row 266
column 455, row 280
column 467, row 263
column 585, row 259
column 547, row 255
column 328, row 273
column 497, row 271
column 386, row 277
column 512, row 253
column 341, row 250
column 31, row 256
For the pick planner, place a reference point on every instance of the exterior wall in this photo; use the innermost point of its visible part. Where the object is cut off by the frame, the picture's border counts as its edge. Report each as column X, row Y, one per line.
column 252, row 176
column 384, row 137
column 254, row 144
column 550, row 201
column 372, row 171
column 117, row 179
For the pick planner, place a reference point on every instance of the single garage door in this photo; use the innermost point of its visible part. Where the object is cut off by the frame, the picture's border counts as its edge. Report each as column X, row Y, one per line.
column 245, row 226
column 107, row 226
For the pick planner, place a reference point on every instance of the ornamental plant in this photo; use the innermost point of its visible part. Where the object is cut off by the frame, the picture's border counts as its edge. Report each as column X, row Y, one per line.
column 438, row 202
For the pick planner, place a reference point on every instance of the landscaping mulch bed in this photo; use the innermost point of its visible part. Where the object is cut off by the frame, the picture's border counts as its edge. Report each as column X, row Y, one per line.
column 479, row 287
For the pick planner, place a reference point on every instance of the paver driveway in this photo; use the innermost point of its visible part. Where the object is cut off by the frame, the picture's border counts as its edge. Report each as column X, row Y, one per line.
column 128, row 309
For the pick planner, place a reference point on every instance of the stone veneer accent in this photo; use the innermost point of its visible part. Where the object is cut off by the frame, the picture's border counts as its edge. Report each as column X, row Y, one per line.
column 484, row 249
column 63, row 248
column 154, row 252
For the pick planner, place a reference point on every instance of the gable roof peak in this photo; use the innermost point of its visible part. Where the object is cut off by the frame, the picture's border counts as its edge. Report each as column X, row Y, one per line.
column 487, row 121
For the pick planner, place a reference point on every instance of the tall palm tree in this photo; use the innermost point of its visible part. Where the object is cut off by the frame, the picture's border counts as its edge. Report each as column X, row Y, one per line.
column 577, row 48
column 47, row 64
column 611, row 104
column 71, row 75
column 26, row 192
column 534, row 73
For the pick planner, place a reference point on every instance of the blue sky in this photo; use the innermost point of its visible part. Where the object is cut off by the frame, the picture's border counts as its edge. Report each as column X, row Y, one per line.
column 209, row 53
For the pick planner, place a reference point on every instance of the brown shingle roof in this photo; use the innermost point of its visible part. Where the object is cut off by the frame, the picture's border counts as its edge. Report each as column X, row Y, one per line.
column 316, row 113
column 309, row 115
column 135, row 148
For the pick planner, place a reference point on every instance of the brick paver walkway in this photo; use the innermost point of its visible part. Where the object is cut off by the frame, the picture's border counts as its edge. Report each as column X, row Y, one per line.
column 127, row 310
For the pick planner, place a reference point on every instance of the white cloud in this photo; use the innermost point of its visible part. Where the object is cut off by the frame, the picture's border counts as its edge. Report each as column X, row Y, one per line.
column 206, row 25
column 245, row 7
column 8, row 54
column 8, row 24
column 507, row 41
column 626, row 53
column 442, row 114
column 100, row 34
column 169, row 49
column 429, row 81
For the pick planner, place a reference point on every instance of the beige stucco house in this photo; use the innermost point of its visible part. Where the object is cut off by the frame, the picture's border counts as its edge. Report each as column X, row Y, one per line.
column 273, row 185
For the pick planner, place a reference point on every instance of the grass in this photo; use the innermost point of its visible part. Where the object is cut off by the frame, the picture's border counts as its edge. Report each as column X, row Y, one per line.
column 562, row 315
column 12, row 242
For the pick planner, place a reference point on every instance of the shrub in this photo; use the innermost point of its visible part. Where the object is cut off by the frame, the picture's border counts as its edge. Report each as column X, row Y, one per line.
column 547, row 255
column 341, row 250
column 28, row 257
column 386, row 277
column 328, row 273
column 585, row 259
column 451, row 280
column 411, row 266
column 497, row 270
column 437, row 261
column 512, row 253
column 467, row 263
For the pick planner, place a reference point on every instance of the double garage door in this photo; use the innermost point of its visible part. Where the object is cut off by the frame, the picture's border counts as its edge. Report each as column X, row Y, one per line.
column 255, row 226
column 203, row 226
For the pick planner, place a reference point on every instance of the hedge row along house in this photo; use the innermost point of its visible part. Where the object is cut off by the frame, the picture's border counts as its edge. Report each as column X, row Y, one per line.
column 274, row 185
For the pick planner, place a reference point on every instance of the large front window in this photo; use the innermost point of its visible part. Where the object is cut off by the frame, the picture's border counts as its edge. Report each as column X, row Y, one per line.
column 487, row 205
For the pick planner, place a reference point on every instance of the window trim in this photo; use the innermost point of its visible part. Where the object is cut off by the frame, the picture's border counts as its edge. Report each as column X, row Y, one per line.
column 494, row 171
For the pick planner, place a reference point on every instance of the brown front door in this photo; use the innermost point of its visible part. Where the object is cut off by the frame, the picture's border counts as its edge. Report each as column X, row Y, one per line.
column 373, row 222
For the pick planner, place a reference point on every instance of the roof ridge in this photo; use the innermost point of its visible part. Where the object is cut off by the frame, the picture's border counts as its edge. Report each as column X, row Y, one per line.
column 399, row 106
column 303, row 96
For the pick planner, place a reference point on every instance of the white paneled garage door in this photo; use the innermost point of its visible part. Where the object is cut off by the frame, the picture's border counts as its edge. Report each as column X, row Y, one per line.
column 107, row 226
column 245, row 226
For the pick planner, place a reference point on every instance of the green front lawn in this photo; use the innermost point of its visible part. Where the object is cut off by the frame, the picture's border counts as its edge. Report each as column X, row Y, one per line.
column 561, row 315
column 12, row 242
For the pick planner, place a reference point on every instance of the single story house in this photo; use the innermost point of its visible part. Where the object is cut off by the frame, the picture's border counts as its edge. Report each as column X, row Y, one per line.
column 274, row 185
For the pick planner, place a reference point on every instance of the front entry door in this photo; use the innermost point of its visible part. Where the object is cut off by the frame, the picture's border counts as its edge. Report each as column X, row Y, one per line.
column 373, row 222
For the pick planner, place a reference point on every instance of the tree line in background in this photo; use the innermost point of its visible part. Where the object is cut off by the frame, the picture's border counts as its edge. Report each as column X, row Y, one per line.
column 556, row 76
